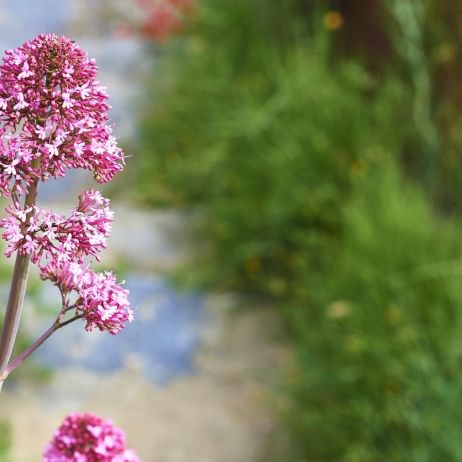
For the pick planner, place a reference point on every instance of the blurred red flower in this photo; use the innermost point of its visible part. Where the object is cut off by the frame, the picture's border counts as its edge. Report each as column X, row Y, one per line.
column 164, row 18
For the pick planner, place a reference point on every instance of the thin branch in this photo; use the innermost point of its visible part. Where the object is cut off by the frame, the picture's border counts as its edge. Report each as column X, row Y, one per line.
column 26, row 353
column 74, row 318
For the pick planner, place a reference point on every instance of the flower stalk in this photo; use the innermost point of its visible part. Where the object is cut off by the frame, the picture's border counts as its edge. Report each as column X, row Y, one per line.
column 54, row 117
column 16, row 296
column 16, row 362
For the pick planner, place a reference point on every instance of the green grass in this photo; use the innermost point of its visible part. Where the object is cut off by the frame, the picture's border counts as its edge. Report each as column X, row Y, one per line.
column 378, row 348
column 294, row 165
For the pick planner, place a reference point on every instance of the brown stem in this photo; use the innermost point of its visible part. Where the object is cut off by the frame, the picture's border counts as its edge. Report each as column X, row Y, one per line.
column 16, row 296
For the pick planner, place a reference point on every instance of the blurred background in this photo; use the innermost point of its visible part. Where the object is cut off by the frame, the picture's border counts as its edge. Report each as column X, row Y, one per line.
column 289, row 226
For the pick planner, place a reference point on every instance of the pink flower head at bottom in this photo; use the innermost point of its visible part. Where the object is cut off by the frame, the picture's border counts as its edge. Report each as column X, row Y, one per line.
column 85, row 437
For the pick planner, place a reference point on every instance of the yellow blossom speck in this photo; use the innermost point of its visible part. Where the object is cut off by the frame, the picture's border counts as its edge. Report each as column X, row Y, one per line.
column 333, row 20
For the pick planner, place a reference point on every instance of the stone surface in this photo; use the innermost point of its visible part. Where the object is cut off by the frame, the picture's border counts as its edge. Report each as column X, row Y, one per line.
column 164, row 337
column 218, row 414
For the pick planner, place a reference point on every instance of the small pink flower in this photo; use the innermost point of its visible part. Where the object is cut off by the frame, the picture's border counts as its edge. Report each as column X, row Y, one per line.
column 68, row 71
column 83, row 90
column 85, row 437
column 26, row 72
column 9, row 168
column 22, row 214
column 29, row 246
column 67, row 101
column 22, row 103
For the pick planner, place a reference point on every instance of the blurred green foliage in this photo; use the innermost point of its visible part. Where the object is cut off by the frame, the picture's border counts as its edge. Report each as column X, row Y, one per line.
column 265, row 147
column 378, row 376
column 304, row 171
column 5, row 440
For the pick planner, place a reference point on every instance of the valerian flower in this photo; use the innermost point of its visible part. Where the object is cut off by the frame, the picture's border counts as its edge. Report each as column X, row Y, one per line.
column 85, row 437
column 82, row 233
column 96, row 297
column 53, row 110
column 53, row 117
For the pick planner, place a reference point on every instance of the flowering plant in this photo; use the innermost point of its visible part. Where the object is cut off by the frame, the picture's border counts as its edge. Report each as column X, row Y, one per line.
column 54, row 117
column 88, row 438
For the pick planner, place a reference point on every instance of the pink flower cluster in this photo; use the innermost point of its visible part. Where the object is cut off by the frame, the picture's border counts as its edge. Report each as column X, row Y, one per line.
column 49, row 236
column 53, row 117
column 100, row 301
column 85, row 437
column 53, row 111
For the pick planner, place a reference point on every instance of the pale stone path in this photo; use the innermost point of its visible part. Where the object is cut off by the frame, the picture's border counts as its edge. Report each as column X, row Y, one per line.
column 217, row 411
column 219, row 414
